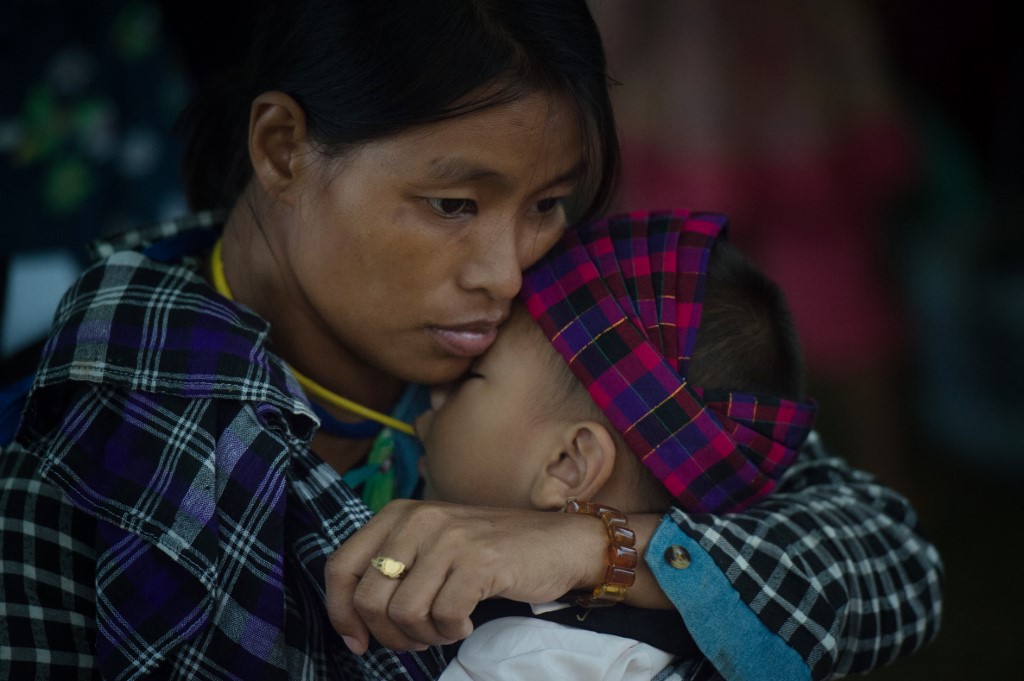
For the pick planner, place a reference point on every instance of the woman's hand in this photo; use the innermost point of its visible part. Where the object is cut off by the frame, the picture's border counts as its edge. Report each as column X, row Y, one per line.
column 455, row 557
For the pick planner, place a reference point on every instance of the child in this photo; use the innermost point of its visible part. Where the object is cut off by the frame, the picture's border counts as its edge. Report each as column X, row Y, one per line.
column 713, row 415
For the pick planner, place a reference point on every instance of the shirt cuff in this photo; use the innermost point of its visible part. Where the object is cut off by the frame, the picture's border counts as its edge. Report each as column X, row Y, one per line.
column 724, row 627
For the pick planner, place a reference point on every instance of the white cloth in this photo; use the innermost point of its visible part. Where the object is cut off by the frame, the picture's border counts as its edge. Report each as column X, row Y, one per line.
column 532, row 649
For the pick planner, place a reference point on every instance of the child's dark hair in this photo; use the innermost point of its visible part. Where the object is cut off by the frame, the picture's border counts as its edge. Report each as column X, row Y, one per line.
column 747, row 340
column 365, row 69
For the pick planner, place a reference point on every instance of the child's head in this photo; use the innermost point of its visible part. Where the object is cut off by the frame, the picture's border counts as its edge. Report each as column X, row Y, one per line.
column 523, row 431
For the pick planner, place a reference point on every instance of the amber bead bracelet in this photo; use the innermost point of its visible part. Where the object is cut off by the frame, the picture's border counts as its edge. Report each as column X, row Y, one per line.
column 622, row 557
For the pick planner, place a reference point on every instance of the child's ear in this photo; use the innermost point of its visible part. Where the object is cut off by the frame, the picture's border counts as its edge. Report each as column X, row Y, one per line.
column 277, row 143
column 579, row 469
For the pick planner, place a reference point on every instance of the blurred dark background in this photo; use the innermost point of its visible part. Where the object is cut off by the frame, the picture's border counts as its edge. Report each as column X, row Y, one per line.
column 868, row 153
column 869, row 156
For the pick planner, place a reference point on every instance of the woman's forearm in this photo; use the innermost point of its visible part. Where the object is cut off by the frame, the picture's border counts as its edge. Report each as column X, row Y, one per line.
column 828, row 576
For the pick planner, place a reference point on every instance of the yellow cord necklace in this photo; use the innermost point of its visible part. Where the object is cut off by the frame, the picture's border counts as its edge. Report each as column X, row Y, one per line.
column 314, row 389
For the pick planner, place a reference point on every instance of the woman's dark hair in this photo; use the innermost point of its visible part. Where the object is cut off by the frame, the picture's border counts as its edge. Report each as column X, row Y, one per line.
column 366, row 69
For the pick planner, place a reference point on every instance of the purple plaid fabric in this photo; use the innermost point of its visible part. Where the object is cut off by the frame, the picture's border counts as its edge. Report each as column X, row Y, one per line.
column 167, row 484
column 859, row 585
column 620, row 300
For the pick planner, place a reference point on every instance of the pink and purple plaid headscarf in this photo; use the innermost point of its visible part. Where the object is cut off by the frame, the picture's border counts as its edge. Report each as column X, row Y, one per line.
column 620, row 299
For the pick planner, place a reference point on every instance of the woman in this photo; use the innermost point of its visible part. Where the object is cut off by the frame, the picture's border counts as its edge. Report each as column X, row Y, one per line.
column 388, row 171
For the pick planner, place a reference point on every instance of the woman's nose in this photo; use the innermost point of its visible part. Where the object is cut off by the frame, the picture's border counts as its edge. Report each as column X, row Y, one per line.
column 495, row 264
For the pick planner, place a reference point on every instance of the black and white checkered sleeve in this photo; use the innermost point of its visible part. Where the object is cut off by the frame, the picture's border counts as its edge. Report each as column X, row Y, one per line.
column 833, row 562
column 47, row 577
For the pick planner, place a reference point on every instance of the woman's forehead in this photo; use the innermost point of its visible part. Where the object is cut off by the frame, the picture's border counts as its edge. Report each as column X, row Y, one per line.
column 533, row 140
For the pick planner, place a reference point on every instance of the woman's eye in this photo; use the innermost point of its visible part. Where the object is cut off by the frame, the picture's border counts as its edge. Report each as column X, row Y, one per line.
column 549, row 205
column 452, row 208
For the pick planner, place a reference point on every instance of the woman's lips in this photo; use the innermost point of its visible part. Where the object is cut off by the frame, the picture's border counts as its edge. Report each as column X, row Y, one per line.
column 469, row 340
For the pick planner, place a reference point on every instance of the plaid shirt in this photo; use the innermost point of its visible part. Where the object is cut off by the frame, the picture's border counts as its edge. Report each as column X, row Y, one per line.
column 200, row 555
column 827, row 576
column 160, row 411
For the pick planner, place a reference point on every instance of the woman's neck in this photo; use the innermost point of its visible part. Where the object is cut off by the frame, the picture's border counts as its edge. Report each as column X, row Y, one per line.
column 257, row 279
column 341, row 454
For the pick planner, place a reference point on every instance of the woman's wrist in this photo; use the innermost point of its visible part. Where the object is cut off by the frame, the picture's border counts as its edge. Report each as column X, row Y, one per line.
column 620, row 573
column 593, row 552
column 645, row 592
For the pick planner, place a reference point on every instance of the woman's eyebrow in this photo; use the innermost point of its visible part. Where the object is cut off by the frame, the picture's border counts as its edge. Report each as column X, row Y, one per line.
column 571, row 175
column 457, row 170
column 460, row 170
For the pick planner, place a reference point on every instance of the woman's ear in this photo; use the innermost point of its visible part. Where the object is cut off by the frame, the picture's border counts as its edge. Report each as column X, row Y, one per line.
column 579, row 469
column 277, row 143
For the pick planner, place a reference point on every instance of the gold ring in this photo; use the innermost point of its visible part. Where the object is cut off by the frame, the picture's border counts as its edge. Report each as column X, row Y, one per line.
column 389, row 567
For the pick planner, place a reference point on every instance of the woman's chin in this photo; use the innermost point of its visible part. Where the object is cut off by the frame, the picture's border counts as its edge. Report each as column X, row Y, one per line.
column 437, row 371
